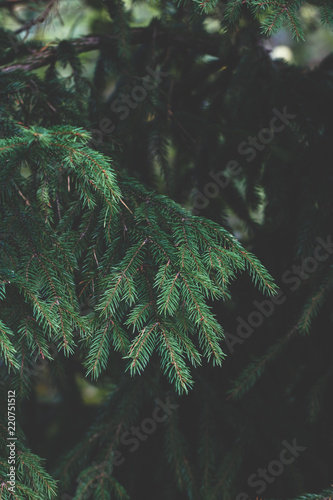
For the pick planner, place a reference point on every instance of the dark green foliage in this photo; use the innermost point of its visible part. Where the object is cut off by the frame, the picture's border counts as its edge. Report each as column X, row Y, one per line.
column 120, row 267
column 271, row 14
column 151, row 266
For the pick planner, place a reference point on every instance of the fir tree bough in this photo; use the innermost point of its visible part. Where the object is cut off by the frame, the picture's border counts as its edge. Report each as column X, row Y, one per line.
column 72, row 232
column 114, row 297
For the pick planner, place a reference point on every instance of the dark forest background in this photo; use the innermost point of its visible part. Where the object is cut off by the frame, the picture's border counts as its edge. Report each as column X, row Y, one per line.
column 201, row 135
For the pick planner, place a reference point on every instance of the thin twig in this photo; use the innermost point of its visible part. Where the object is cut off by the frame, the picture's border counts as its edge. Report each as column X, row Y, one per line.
column 47, row 55
column 39, row 19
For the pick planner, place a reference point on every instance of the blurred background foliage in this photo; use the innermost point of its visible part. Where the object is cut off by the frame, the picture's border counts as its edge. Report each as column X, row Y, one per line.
column 49, row 414
column 71, row 20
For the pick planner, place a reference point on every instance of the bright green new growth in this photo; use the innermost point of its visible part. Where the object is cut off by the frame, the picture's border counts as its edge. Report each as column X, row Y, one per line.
column 74, row 232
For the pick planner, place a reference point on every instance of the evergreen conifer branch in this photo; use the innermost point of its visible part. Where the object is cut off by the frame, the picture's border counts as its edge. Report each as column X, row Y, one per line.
column 32, row 480
column 103, row 277
column 170, row 262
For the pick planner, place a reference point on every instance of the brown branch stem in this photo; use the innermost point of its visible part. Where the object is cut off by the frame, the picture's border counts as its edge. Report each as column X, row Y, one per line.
column 48, row 54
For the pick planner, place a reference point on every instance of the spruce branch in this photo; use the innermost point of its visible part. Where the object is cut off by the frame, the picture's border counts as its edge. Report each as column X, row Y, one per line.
column 166, row 266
